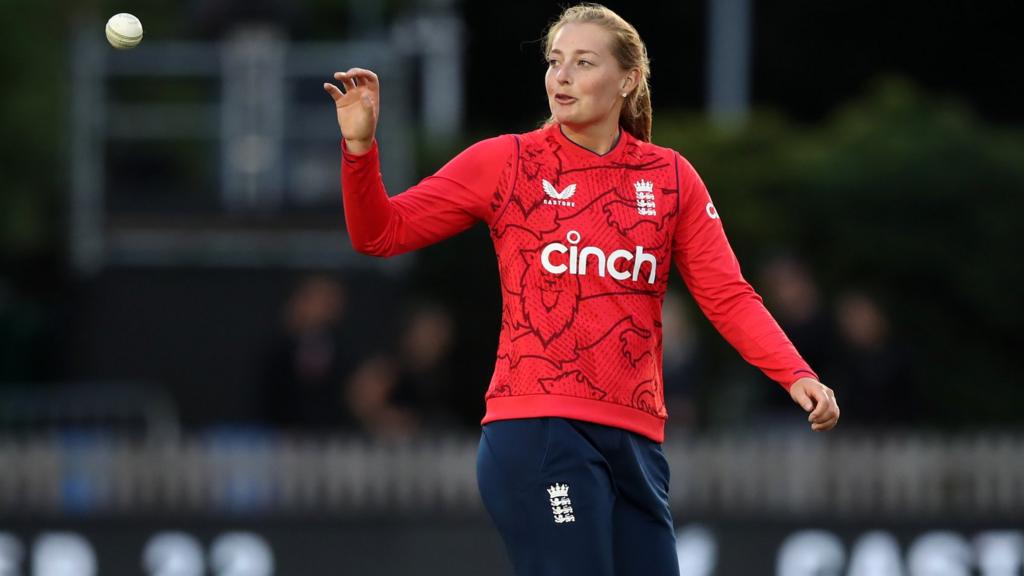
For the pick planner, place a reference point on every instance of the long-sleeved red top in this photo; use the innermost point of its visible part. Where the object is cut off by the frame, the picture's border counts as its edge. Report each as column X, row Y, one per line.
column 584, row 245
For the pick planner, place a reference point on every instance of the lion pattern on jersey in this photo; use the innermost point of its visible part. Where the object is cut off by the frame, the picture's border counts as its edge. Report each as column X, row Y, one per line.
column 588, row 329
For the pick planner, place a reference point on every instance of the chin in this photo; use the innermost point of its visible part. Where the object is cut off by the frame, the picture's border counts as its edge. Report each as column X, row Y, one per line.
column 566, row 118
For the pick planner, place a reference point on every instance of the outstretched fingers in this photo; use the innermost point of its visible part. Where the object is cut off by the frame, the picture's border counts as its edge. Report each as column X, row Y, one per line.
column 352, row 79
column 334, row 91
column 361, row 75
column 347, row 82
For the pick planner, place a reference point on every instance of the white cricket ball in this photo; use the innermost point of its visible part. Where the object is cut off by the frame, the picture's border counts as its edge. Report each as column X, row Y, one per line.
column 124, row 31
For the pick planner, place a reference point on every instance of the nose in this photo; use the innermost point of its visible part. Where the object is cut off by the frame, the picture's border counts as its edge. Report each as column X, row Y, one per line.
column 562, row 75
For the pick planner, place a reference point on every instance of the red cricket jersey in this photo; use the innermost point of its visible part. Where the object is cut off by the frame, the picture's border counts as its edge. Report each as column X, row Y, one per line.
column 584, row 244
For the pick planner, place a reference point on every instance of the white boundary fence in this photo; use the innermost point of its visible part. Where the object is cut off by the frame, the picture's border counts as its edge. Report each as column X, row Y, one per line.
column 851, row 475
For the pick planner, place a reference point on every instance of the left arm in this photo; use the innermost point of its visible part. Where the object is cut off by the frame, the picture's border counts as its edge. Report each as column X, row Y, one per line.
column 711, row 272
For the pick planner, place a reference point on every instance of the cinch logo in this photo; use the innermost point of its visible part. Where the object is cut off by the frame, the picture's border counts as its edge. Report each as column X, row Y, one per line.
column 578, row 259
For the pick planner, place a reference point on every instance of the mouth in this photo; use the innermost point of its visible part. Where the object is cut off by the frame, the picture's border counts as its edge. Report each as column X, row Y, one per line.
column 564, row 99
column 549, row 298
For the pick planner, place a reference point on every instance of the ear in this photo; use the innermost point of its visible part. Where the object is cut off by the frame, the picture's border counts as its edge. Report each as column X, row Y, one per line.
column 630, row 81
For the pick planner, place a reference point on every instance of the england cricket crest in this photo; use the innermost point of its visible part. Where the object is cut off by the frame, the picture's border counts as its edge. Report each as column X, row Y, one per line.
column 645, row 205
column 561, row 505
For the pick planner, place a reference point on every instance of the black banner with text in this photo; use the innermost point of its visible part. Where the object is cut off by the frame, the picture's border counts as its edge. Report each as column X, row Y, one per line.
column 471, row 546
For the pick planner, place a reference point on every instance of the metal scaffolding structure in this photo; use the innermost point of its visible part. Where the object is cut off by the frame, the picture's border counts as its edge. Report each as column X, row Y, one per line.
column 262, row 119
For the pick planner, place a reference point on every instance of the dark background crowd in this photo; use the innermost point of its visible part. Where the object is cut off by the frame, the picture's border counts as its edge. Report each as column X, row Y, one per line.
column 871, row 192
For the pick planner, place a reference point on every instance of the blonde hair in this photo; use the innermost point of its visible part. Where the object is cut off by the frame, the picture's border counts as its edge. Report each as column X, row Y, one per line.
column 627, row 47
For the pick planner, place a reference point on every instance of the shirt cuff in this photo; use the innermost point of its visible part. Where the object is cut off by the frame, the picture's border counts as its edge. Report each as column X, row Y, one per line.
column 799, row 375
column 351, row 158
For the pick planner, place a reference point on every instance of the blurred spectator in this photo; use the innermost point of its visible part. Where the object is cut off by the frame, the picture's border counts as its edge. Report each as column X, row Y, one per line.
column 793, row 298
column 395, row 393
column 371, row 399
column 872, row 373
column 312, row 359
column 682, row 369
column 425, row 379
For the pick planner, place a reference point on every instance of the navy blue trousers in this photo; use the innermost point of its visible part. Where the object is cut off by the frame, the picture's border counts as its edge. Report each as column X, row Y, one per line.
column 574, row 498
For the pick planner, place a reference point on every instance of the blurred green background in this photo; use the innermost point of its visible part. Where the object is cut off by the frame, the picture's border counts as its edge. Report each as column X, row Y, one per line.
column 896, row 168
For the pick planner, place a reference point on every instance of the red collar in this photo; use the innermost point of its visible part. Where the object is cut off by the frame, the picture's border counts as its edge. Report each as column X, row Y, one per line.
column 579, row 152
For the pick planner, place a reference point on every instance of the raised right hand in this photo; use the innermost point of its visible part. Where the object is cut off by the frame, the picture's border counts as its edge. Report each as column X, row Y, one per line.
column 358, row 107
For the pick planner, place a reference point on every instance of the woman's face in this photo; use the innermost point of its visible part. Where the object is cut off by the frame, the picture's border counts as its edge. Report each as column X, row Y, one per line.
column 584, row 81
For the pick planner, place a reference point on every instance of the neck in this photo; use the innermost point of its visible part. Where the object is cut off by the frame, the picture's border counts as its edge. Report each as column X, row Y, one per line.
column 598, row 138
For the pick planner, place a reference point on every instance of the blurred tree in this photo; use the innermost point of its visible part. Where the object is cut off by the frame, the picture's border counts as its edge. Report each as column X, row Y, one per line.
column 901, row 192
column 31, row 112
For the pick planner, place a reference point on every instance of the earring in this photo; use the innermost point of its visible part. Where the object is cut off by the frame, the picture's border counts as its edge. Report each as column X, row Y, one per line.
column 624, row 94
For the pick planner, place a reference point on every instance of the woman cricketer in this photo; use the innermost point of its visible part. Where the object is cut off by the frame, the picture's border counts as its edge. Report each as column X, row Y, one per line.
column 586, row 216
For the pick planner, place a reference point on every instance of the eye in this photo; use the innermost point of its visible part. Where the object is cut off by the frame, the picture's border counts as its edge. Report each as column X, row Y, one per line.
column 552, row 62
column 585, row 63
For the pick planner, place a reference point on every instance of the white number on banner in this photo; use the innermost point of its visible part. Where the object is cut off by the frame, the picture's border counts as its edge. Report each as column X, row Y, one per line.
column 12, row 554
column 63, row 554
column 1000, row 552
column 811, row 553
column 173, row 554
column 876, row 553
column 939, row 553
column 241, row 554
column 697, row 551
